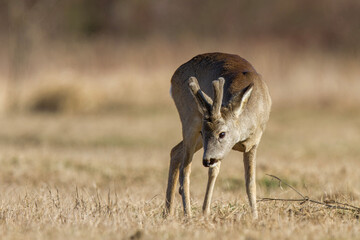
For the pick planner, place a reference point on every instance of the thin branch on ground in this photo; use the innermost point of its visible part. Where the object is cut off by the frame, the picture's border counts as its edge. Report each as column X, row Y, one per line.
column 329, row 203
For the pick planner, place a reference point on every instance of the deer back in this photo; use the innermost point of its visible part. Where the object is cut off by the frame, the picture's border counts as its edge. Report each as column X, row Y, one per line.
column 238, row 74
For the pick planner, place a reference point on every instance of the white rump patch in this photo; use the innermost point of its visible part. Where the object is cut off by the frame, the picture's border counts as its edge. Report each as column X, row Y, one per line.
column 171, row 92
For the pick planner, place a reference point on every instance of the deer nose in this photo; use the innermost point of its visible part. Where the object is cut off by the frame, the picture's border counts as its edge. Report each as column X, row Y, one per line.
column 210, row 162
column 206, row 162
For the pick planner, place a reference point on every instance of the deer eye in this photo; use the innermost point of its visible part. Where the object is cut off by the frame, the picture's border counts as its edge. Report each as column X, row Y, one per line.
column 222, row 135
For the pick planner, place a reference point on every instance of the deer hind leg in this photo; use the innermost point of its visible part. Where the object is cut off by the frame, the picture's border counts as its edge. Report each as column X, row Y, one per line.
column 250, row 178
column 175, row 162
column 213, row 173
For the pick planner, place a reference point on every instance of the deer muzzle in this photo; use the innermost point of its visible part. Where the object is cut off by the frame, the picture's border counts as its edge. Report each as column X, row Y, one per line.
column 212, row 162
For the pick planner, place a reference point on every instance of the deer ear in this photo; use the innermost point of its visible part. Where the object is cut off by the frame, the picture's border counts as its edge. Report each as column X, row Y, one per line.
column 238, row 102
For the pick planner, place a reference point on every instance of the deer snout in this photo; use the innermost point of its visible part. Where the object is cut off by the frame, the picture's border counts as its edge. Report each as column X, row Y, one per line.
column 212, row 162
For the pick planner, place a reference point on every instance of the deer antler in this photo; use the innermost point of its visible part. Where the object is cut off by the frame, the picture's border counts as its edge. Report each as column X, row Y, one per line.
column 203, row 100
column 218, row 86
column 208, row 106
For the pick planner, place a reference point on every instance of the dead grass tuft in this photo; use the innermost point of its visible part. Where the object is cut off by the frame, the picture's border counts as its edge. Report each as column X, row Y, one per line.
column 55, row 99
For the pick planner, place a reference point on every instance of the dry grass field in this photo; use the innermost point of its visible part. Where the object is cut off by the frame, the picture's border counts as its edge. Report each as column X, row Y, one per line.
column 96, row 168
column 104, row 177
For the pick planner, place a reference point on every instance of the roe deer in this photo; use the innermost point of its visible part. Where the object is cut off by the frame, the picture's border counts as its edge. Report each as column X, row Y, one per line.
column 231, row 116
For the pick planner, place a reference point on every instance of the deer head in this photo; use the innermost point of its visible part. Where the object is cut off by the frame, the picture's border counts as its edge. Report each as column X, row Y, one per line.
column 221, row 128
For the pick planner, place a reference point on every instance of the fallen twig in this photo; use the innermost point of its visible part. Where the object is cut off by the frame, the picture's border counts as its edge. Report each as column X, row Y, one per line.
column 281, row 181
column 329, row 204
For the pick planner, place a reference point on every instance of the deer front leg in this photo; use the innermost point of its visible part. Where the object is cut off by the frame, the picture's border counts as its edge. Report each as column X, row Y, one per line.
column 191, row 143
column 175, row 161
column 213, row 173
column 250, row 178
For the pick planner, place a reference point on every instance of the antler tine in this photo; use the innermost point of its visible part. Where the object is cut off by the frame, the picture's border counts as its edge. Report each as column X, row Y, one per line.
column 203, row 100
column 218, row 86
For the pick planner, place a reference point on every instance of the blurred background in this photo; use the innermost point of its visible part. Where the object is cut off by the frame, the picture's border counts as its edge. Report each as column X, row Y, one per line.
column 87, row 122
column 97, row 56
